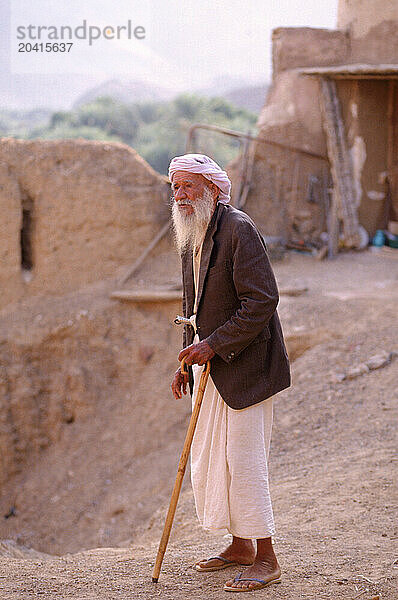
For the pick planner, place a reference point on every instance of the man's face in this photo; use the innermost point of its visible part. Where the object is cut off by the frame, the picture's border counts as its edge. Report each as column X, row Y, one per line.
column 188, row 188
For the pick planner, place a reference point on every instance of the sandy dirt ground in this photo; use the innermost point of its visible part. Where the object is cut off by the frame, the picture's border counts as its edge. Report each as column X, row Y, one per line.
column 333, row 464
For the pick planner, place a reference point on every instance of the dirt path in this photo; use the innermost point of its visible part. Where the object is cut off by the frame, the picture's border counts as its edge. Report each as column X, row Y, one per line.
column 333, row 466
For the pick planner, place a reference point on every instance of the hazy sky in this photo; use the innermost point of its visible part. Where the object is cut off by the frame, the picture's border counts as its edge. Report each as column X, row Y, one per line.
column 210, row 39
column 188, row 43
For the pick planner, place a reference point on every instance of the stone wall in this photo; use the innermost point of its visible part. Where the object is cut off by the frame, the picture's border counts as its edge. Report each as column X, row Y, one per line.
column 366, row 32
column 292, row 115
column 360, row 16
column 88, row 208
column 294, row 47
column 378, row 45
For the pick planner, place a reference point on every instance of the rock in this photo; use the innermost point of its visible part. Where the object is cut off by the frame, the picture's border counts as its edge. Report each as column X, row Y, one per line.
column 357, row 371
column 379, row 360
column 293, row 291
column 338, row 377
column 374, row 362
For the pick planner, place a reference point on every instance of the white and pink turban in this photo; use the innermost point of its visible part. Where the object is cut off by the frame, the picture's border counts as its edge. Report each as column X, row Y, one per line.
column 200, row 163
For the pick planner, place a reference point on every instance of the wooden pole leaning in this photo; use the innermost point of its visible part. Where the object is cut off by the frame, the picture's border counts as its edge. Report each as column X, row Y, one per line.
column 181, row 469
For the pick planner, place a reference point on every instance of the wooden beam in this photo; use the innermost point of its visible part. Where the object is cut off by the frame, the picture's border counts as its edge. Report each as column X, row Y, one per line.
column 344, row 200
column 147, row 295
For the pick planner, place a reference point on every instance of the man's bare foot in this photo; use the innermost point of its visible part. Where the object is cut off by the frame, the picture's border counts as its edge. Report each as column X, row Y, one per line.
column 265, row 568
column 240, row 552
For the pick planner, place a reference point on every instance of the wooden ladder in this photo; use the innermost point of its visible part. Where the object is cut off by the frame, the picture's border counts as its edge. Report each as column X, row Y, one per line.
column 344, row 202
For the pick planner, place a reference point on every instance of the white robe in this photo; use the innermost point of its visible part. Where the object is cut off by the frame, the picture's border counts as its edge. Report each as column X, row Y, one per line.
column 229, row 461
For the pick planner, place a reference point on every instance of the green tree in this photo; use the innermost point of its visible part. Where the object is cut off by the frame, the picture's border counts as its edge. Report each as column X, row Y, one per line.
column 157, row 130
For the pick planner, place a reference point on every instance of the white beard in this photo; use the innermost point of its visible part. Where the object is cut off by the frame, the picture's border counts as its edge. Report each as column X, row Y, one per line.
column 190, row 230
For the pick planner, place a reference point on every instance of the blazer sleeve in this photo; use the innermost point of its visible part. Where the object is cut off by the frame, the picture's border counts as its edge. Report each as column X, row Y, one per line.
column 256, row 288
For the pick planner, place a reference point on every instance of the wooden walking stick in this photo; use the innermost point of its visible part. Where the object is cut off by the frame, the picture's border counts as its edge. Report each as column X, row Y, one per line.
column 181, row 469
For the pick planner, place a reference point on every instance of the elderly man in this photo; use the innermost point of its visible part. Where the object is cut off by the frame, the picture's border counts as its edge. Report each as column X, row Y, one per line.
column 230, row 297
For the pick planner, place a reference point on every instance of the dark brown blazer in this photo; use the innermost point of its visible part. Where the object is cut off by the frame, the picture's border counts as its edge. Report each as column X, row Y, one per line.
column 236, row 313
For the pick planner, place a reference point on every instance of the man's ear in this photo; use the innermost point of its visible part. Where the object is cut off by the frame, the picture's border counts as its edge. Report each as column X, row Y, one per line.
column 214, row 190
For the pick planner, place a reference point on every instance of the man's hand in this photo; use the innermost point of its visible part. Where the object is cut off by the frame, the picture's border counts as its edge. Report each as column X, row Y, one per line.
column 194, row 354
column 197, row 353
column 180, row 381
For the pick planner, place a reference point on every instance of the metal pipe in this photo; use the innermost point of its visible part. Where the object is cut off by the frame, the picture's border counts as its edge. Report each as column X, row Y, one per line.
column 247, row 136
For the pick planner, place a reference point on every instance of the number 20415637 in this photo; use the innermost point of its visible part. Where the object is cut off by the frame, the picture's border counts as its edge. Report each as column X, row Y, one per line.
column 45, row 47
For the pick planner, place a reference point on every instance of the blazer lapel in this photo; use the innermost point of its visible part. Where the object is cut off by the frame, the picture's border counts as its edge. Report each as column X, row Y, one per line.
column 188, row 283
column 207, row 247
